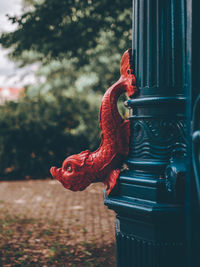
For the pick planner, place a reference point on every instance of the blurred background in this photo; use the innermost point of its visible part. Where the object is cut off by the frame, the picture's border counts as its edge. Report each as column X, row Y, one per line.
column 57, row 58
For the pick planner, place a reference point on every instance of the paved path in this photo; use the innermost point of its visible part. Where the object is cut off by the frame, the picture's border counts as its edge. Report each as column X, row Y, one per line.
column 82, row 213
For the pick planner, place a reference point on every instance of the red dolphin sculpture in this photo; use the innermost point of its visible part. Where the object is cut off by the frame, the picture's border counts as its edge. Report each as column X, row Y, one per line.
column 79, row 171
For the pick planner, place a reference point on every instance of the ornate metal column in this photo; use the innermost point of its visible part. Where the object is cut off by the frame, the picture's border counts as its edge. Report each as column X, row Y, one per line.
column 149, row 202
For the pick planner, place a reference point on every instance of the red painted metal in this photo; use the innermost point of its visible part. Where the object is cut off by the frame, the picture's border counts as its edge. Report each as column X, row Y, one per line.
column 79, row 171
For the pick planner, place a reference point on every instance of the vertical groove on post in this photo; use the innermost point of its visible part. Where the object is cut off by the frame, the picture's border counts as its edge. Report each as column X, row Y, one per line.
column 149, row 42
column 145, row 43
column 172, row 45
column 157, row 63
column 183, row 34
column 135, row 35
column 140, row 253
column 141, row 42
column 176, row 39
column 159, row 44
column 138, row 36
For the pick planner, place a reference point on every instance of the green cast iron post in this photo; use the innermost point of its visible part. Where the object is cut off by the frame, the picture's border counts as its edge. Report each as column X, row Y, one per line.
column 193, row 133
column 150, row 200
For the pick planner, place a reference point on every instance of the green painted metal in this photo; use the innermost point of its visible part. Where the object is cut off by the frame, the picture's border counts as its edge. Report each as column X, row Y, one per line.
column 150, row 200
column 193, row 126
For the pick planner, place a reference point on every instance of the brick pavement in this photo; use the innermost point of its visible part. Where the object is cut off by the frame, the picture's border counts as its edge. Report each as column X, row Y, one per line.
column 82, row 213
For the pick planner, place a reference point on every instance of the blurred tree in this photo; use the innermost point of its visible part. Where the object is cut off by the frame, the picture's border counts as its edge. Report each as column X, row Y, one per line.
column 92, row 34
column 36, row 133
column 77, row 46
column 74, row 27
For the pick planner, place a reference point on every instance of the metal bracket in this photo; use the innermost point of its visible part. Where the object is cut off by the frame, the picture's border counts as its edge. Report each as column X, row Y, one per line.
column 175, row 175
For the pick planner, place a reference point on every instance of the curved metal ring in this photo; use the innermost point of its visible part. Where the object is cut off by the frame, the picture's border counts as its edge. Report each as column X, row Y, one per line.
column 196, row 144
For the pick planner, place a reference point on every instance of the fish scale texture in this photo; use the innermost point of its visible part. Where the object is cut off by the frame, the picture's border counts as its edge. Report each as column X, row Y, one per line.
column 103, row 165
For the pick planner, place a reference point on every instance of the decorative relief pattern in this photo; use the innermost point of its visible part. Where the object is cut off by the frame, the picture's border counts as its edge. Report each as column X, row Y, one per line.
column 157, row 138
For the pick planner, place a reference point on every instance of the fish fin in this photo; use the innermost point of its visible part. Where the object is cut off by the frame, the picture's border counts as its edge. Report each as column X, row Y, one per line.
column 111, row 180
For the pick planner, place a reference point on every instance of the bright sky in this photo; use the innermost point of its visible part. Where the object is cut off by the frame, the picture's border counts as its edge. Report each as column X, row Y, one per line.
column 9, row 73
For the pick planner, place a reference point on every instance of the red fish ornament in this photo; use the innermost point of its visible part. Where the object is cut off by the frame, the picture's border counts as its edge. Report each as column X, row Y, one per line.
column 79, row 171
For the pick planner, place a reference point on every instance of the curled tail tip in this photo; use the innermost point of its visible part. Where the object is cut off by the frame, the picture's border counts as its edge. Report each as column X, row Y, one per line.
column 127, row 60
column 131, row 90
column 52, row 171
column 127, row 71
column 111, row 180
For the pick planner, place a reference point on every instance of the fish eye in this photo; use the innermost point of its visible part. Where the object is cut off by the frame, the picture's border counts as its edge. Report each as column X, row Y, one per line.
column 69, row 168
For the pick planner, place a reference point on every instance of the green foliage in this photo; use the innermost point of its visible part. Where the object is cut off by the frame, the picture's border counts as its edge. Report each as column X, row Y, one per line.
column 77, row 46
column 91, row 35
column 36, row 134
column 68, row 27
